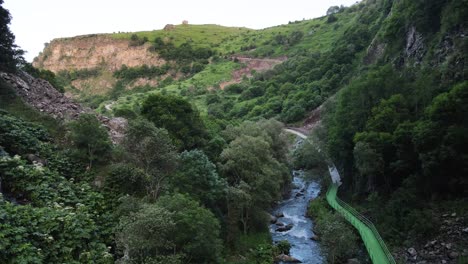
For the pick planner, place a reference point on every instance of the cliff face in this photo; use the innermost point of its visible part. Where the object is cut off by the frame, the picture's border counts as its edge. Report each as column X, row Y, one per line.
column 91, row 51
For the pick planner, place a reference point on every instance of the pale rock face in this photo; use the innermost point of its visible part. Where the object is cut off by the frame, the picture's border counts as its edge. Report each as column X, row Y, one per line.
column 91, row 51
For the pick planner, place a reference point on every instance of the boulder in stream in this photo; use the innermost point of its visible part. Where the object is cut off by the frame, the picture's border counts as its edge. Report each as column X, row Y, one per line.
column 287, row 259
column 273, row 219
column 284, row 228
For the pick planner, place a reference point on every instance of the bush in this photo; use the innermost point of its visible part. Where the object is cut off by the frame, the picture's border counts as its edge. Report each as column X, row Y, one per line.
column 282, row 247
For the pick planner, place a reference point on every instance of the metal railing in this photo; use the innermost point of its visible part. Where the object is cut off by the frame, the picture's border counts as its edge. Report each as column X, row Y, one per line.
column 351, row 215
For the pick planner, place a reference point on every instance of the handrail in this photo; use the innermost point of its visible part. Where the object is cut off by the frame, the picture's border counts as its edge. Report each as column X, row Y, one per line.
column 360, row 222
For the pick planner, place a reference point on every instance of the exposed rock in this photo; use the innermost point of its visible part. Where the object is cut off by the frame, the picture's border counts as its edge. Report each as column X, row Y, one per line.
column 42, row 96
column 169, row 27
column 284, row 228
column 92, row 51
column 36, row 160
column 412, row 252
column 314, row 237
column 278, row 215
column 273, row 219
column 374, row 51
column 286, row 259
column 414, row 45
column 279, row 224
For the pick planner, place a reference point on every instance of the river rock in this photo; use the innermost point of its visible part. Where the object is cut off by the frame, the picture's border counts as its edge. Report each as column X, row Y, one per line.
column 412, row 252
column 279, row 224
column 299, row 194
column 287, row 259
column 273, row 219
column 314, row 237
column 284, row 228
column 278, row 215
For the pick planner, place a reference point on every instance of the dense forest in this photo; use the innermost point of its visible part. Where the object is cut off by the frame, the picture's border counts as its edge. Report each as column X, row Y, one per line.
column 200, row 167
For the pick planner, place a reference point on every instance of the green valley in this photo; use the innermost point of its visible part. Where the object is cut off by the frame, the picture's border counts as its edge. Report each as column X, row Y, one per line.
column 168, row 146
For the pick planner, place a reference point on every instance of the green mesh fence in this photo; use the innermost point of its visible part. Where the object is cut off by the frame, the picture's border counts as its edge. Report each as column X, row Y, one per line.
column 376, row 247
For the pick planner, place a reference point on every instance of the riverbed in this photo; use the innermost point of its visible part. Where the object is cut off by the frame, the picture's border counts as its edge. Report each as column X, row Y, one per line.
column 294, row 210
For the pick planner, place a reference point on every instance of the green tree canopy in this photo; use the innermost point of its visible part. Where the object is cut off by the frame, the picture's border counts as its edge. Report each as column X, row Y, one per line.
column 198, row 178
column 90, row 139
column 197, row 231
column 150, row 149
column 10, row 55
column 179, row 117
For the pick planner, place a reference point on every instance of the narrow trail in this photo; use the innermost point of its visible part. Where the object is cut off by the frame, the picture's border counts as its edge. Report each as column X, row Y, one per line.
column 374, row 243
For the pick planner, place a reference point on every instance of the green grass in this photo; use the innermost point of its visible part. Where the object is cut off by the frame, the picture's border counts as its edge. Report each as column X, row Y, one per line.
column 212, row 75
column 198, row 35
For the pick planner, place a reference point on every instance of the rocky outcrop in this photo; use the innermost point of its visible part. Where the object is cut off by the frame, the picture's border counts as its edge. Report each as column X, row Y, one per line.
column 42, row 96
column 446, row 246
column 414, row 45
column 92, row 51
column 374, row 52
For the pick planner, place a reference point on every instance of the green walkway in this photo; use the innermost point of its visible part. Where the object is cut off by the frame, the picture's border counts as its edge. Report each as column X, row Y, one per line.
column 376, row 247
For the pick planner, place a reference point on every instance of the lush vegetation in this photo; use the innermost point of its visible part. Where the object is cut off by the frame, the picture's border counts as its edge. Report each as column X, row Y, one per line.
column 200, row 166
column 10, row 54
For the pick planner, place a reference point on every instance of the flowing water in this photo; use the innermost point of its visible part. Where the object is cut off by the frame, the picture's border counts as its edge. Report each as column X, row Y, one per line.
column 294, row 210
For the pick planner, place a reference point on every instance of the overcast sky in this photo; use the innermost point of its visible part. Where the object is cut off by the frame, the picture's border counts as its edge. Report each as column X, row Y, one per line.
column 36, row 22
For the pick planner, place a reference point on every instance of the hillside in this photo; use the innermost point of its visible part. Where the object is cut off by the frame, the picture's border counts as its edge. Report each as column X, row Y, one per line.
column 380, row 86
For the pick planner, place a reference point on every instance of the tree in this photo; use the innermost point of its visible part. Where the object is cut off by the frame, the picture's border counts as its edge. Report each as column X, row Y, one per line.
column 146, row 234
column 10, row 55
column 181, row 120
column 90, row 139
column 197, row 177
column 150, row 149
column 196, row 233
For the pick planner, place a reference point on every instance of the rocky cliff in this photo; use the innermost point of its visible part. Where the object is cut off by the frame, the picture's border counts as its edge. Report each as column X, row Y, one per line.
column 91, row 51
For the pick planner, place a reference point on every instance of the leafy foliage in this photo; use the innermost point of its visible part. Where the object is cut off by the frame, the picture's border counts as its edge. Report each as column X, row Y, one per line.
column 10, row 54
column 91, row 148
column 181, row 119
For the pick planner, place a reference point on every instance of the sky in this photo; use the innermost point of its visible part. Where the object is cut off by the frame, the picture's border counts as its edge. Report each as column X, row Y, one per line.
column 35, row 22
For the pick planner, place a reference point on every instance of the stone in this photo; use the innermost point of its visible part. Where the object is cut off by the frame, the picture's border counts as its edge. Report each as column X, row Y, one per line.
column 278, row 215
column 453, row 215
column 279, row 224
column 453, row 255
column 287, row 259
column 42, row 96
column 314, row 237
column 284, row 228
column 273, row 219
column 412, row 252
column 465, row 230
